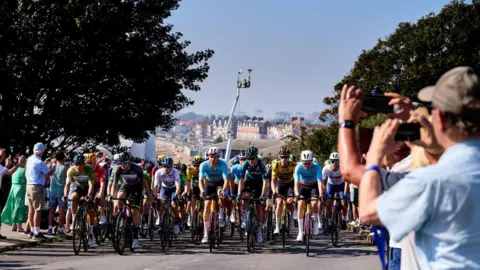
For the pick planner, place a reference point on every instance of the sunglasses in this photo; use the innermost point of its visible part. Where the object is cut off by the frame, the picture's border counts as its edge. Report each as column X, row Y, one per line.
column 307, row 163
column 335, row 161
column 252, row 158
column 213, row 156
column 284, row 157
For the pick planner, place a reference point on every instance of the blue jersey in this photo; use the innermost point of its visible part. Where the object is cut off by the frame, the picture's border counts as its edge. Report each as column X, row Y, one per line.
column 237, row 172
column 257, row 173
column 308, row 177
column 220, row 173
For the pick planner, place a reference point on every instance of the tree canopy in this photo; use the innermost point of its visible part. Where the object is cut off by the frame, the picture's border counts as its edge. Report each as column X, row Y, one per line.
column 83, row 73
column 415, row 55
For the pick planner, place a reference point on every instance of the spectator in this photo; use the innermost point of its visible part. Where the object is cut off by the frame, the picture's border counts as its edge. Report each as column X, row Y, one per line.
column 35, row 173
column 442, row 198
column 4, row 171
column 15, row 211
column 57, row 186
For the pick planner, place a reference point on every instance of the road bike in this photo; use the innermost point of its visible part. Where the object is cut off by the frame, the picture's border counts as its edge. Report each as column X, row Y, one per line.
column 80, row 227
column 251, row 224
column 308, row 220
column 336, row 219
column 124, row 227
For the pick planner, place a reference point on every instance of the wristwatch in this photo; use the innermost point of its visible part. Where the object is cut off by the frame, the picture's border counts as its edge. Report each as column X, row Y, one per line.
column 347, row 124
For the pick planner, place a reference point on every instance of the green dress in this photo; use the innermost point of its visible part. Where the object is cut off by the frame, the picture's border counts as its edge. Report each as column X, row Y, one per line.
column 16, row 211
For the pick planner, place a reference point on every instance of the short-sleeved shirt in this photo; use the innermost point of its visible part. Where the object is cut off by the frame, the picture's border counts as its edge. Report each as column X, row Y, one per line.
column 237, row 173
column 219, row 174
column 167, row 180
column 308, row 177
column 254, row 173
column 80, row 178
column 132, row 176
column 283, row 174
column 192, row 176
column 100, row 174
column 444, row 200
column 58, row 179
column 36, row 170
column 332, row 177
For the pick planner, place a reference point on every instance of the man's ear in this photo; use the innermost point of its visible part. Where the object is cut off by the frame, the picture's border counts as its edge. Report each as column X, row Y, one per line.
column 440, row 120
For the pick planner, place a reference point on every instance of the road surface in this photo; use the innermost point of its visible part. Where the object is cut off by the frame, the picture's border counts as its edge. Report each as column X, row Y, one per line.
column 350, row 254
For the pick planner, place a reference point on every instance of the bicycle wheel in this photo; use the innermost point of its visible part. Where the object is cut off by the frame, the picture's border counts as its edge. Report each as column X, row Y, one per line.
column 251, row 229
column 97, row 229
column 284, row 227
column 194, row 227
column 112, row 227
column 130, row 231
column 232, row 224
column 151, row 223
column 77, row 232
column 211, row 232
column 308, row 230
column 335, row 227
column 85, row 234
column 120, row 233
column 143, row 226
column 269, row 225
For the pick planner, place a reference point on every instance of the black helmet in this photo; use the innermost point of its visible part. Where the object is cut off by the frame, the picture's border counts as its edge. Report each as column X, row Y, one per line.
column 148, row 167
column 183, row 167
column 124, row 157
column 252, row 151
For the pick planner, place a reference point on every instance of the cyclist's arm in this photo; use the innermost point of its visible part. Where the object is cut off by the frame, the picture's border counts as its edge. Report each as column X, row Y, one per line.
column 226, row 179
column 201, row 178
column 157, row 182
column 116, row 176
column 241, row 184
column 177, row 183
column 68, row 182
column 102, row 184
column 147, row 188
column 265, row 180
column 296, row 177
column 274, row 179
column 188, row 180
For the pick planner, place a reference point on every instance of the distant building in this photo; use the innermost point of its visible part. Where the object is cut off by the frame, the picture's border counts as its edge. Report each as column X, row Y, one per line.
column 265, row 147
column 253, row 129
column 200, row 130
column 278, row 131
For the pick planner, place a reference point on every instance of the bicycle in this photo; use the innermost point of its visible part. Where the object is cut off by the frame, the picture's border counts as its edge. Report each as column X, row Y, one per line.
column 336, row 219
column 307, row 223
column 152, row 217
column 106, row 230
column 80, row 227
column 166, row 226
column 285, row 221
column 196, row 230
column 251, row 226
column 124, row 227
column 269, row 224
column 214, row 232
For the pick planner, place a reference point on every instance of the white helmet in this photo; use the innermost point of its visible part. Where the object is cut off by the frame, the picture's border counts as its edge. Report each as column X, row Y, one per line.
column 334, row 155
column 213, row 150
column 306, row 155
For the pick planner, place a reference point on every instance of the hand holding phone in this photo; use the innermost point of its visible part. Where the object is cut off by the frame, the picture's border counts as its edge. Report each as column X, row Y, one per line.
column 408, row 132
column 377, row 104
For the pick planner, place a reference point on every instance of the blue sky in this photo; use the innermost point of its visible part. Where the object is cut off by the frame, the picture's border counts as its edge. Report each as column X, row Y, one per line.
column 298, row 50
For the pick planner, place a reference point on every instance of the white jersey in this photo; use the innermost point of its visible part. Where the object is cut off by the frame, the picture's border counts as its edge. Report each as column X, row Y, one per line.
column 169, row 180
column 332, row 177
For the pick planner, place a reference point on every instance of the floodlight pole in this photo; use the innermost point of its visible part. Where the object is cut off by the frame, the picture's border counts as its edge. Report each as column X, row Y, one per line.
column 241, row 84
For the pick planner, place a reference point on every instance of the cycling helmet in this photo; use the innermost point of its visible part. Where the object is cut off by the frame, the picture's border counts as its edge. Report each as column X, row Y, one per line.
column 124, row 157
column 234, row 162
column 284, row 151
column 183, row 167
column 91, row 158
column 334, row 155
column 148, row 167
column 315, row 160
column 79, row 158
column 293, row 158
column 252, row 151
column 327, row 163
column 306, row 155
column 242, row 156
column 167, row 162
column 159, row 158
column 197, row 160
column 213, row 151
column 269, row 166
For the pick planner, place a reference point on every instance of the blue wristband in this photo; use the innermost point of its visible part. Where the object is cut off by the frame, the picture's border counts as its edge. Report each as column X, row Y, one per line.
column 373, row 168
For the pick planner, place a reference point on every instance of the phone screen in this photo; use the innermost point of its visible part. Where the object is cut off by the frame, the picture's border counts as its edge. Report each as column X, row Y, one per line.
column 377, row 104
column 408, row 132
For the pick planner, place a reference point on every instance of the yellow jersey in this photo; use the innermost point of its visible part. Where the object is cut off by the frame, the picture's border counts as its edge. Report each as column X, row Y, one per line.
column 192, row 176
column 283, row 174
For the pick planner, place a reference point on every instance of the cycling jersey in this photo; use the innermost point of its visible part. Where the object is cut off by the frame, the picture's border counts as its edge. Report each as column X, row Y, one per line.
column 332, row 177
column 80, row 179
column 192, row 176
column 257, row 173
column 183, row 180
column 219, row 174
column 99, row 174
column 132, row 176
column 167, row 180
column 237, row 173
column 308, row 177
column 283, row 174
column 147, row 177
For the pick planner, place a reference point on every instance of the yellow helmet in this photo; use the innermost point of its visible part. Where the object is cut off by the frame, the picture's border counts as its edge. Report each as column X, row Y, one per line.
column 160, row 157
column 197, row 160
column 91, row 158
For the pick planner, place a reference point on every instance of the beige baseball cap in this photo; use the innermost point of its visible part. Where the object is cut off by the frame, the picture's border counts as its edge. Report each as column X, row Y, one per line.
column 456, row 92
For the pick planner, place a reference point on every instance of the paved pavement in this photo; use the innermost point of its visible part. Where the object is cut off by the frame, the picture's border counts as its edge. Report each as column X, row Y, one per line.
column 16, row 240
column 350, row 254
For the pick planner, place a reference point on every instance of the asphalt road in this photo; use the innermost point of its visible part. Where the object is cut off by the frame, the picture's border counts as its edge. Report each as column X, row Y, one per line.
column 350, row 254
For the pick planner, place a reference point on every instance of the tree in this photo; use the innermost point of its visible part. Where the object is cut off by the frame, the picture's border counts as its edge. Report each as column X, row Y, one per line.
column 219, row 139
column 83, row 73
column 321, row 142
column 417, row 54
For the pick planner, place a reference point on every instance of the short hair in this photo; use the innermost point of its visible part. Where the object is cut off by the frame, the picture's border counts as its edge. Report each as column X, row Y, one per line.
column 60, row 155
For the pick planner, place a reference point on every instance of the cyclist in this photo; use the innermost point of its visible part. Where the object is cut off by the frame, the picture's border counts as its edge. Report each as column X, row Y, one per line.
column 100, row 179
column 146, row 175
column 133, row 184
column 81, row 180
column 334, row 183
column 213, row 176
column 308, row 178
column 283, row 184
column 159, row 166
column 237, row 174
column 255, row 172
column 192, row 186
column 168, row 180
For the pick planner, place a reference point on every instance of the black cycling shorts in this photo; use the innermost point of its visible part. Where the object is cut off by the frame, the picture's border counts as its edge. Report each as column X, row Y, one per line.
column 80, row 190
column 212, row 187
column 253, row 185
column 286, row 189
column 134, row 192
column 308, row 191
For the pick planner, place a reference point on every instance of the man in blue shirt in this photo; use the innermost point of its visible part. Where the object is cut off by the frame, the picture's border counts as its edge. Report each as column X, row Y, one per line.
column 213, row 176
column 308, row 180
column 439, row 202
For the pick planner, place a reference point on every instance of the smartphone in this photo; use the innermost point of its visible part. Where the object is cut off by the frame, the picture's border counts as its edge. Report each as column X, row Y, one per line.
column 408, row 132
column 377, row 104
